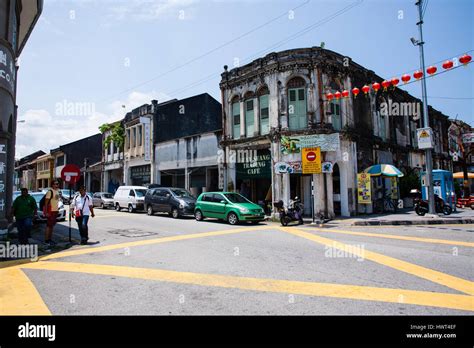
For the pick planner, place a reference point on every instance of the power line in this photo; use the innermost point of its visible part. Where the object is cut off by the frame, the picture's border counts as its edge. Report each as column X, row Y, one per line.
column 424, row 8
column 281, row 42
column 208, row 52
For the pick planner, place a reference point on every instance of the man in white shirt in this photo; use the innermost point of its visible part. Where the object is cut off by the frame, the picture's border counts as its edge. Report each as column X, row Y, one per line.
column 82, row 208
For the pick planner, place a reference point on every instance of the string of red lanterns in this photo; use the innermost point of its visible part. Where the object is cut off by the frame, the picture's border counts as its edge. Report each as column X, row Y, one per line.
column 431, row 70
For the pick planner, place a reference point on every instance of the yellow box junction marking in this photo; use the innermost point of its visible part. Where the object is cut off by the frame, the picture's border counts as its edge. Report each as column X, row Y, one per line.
column 18, row 295
column 422, row 298
column 452, row 282
column 394, row 236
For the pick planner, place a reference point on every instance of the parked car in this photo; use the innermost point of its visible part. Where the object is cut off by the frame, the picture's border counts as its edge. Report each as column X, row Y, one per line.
column 40, row 217
column 103, row 199
column 65, row 195
column 229, row 206
column 174, row 201
column 130, row 197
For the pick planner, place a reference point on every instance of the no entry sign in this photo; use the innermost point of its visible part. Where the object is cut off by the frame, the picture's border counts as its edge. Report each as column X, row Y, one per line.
column 71, row 173
column 311, row 160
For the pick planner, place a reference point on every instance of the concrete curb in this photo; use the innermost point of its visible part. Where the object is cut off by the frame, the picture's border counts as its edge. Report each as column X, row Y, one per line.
column 439, row 221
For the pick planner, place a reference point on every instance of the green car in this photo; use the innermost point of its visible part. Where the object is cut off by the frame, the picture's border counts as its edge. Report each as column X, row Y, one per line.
column 229, row 206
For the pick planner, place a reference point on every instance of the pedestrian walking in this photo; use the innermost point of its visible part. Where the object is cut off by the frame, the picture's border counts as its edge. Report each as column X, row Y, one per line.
column 50, row 210
column 82, row 209
column 24, row 209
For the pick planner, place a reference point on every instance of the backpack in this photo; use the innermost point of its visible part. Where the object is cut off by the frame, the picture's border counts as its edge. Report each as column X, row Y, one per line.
column 43, row 200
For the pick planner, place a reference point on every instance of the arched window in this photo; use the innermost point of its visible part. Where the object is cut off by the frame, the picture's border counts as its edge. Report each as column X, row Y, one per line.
column 297, row 110
column 263, row 94
column 236, row 117
column 249, row 114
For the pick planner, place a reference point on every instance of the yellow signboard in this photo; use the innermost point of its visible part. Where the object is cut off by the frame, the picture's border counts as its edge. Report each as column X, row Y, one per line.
column 311, row 160
column 364, row 194
column 394, row 194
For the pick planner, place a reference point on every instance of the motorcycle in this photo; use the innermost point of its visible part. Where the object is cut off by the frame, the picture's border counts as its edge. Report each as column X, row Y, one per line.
column 294, row 212
column 422, row 206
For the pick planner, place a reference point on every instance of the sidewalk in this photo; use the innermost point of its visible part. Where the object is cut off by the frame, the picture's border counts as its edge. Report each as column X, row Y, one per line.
column 405, row 217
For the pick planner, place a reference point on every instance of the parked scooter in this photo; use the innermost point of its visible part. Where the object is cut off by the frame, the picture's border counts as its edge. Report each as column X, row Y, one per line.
column 422, row 207
column 294, row 212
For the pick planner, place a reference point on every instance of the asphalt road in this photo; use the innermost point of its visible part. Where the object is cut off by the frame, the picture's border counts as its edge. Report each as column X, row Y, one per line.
column 155, row 265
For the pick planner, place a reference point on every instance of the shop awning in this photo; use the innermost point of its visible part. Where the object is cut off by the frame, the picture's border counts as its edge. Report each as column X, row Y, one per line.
column 460, row 175
column 383, row 169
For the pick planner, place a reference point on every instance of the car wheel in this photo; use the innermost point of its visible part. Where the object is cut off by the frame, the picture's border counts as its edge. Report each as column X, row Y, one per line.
column 102, row 206
column 198, row 215
column 117, row 207
column 232, row 219
column 149, row 210
column 175, row 213
column 130, row 208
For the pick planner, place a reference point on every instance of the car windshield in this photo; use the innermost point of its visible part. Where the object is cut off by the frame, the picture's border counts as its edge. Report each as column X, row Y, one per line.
column 236, row 198
column 182, row 193
column 107, row 195
column 140, row 193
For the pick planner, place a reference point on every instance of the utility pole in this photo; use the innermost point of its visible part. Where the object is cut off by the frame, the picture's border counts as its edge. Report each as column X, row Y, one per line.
column 426, row 123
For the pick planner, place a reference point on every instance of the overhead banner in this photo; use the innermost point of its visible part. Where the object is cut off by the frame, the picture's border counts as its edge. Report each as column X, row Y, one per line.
column 311, row 160
column 364, row 194
column 326, row 142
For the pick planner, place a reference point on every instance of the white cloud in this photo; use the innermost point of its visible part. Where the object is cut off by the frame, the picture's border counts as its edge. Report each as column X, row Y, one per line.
column 45, row 130
column 150, row 10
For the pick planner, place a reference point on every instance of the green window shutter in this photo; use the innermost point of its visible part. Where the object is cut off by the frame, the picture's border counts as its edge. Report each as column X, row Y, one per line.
column 297, row 113
column 249, row 118
column 264, row 115
column 336, row 115
column 236, row 120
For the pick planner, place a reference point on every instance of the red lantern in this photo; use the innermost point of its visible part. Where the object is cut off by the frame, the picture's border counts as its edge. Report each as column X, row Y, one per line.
column 337, row 95
column 365, row 89
column 345, row 93
column 376, row 86
column 355, row 91
column 465, row 59
column 448, row 64
column 406, row 78
column 431, row 70
column 385, row 84
column 418, row 74
column 329, row 96
column 394, row 81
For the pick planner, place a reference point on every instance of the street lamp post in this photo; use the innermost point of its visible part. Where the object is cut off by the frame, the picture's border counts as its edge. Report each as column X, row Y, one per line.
column 428, row 154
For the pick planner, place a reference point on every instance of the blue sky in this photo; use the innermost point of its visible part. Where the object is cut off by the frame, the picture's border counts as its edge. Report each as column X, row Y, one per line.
column 110, row 53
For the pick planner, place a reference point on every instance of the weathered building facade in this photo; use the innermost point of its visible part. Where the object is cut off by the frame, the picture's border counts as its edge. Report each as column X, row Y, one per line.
column 112, row 159
column 276, row 106
column 25, row 171
column 187, row 133
column 17, row 20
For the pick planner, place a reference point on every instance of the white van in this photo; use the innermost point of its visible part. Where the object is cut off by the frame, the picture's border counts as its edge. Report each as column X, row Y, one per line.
column 131, row 198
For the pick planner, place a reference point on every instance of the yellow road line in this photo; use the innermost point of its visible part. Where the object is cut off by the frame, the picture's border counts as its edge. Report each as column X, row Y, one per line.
column 450, row 281
column 86, row 250
column 411, row 226
column 18, row 295
column 394, row 236
column 422, row 298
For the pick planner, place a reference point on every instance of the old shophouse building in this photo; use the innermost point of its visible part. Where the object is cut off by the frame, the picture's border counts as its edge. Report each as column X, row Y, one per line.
column 187, row 133
column 277, row 105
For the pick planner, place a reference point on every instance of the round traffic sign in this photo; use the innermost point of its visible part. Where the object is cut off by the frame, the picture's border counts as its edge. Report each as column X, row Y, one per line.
column 71, row 173
column 311, row 156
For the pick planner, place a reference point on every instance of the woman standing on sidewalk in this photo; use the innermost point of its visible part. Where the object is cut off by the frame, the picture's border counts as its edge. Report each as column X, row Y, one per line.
column 82, row 208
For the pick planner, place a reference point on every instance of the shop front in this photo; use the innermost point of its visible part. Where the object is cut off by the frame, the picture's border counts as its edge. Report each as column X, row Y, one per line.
column 140, row 175
column 254, row 178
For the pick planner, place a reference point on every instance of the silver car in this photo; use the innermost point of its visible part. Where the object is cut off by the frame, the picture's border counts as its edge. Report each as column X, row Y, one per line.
column 104, row 200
